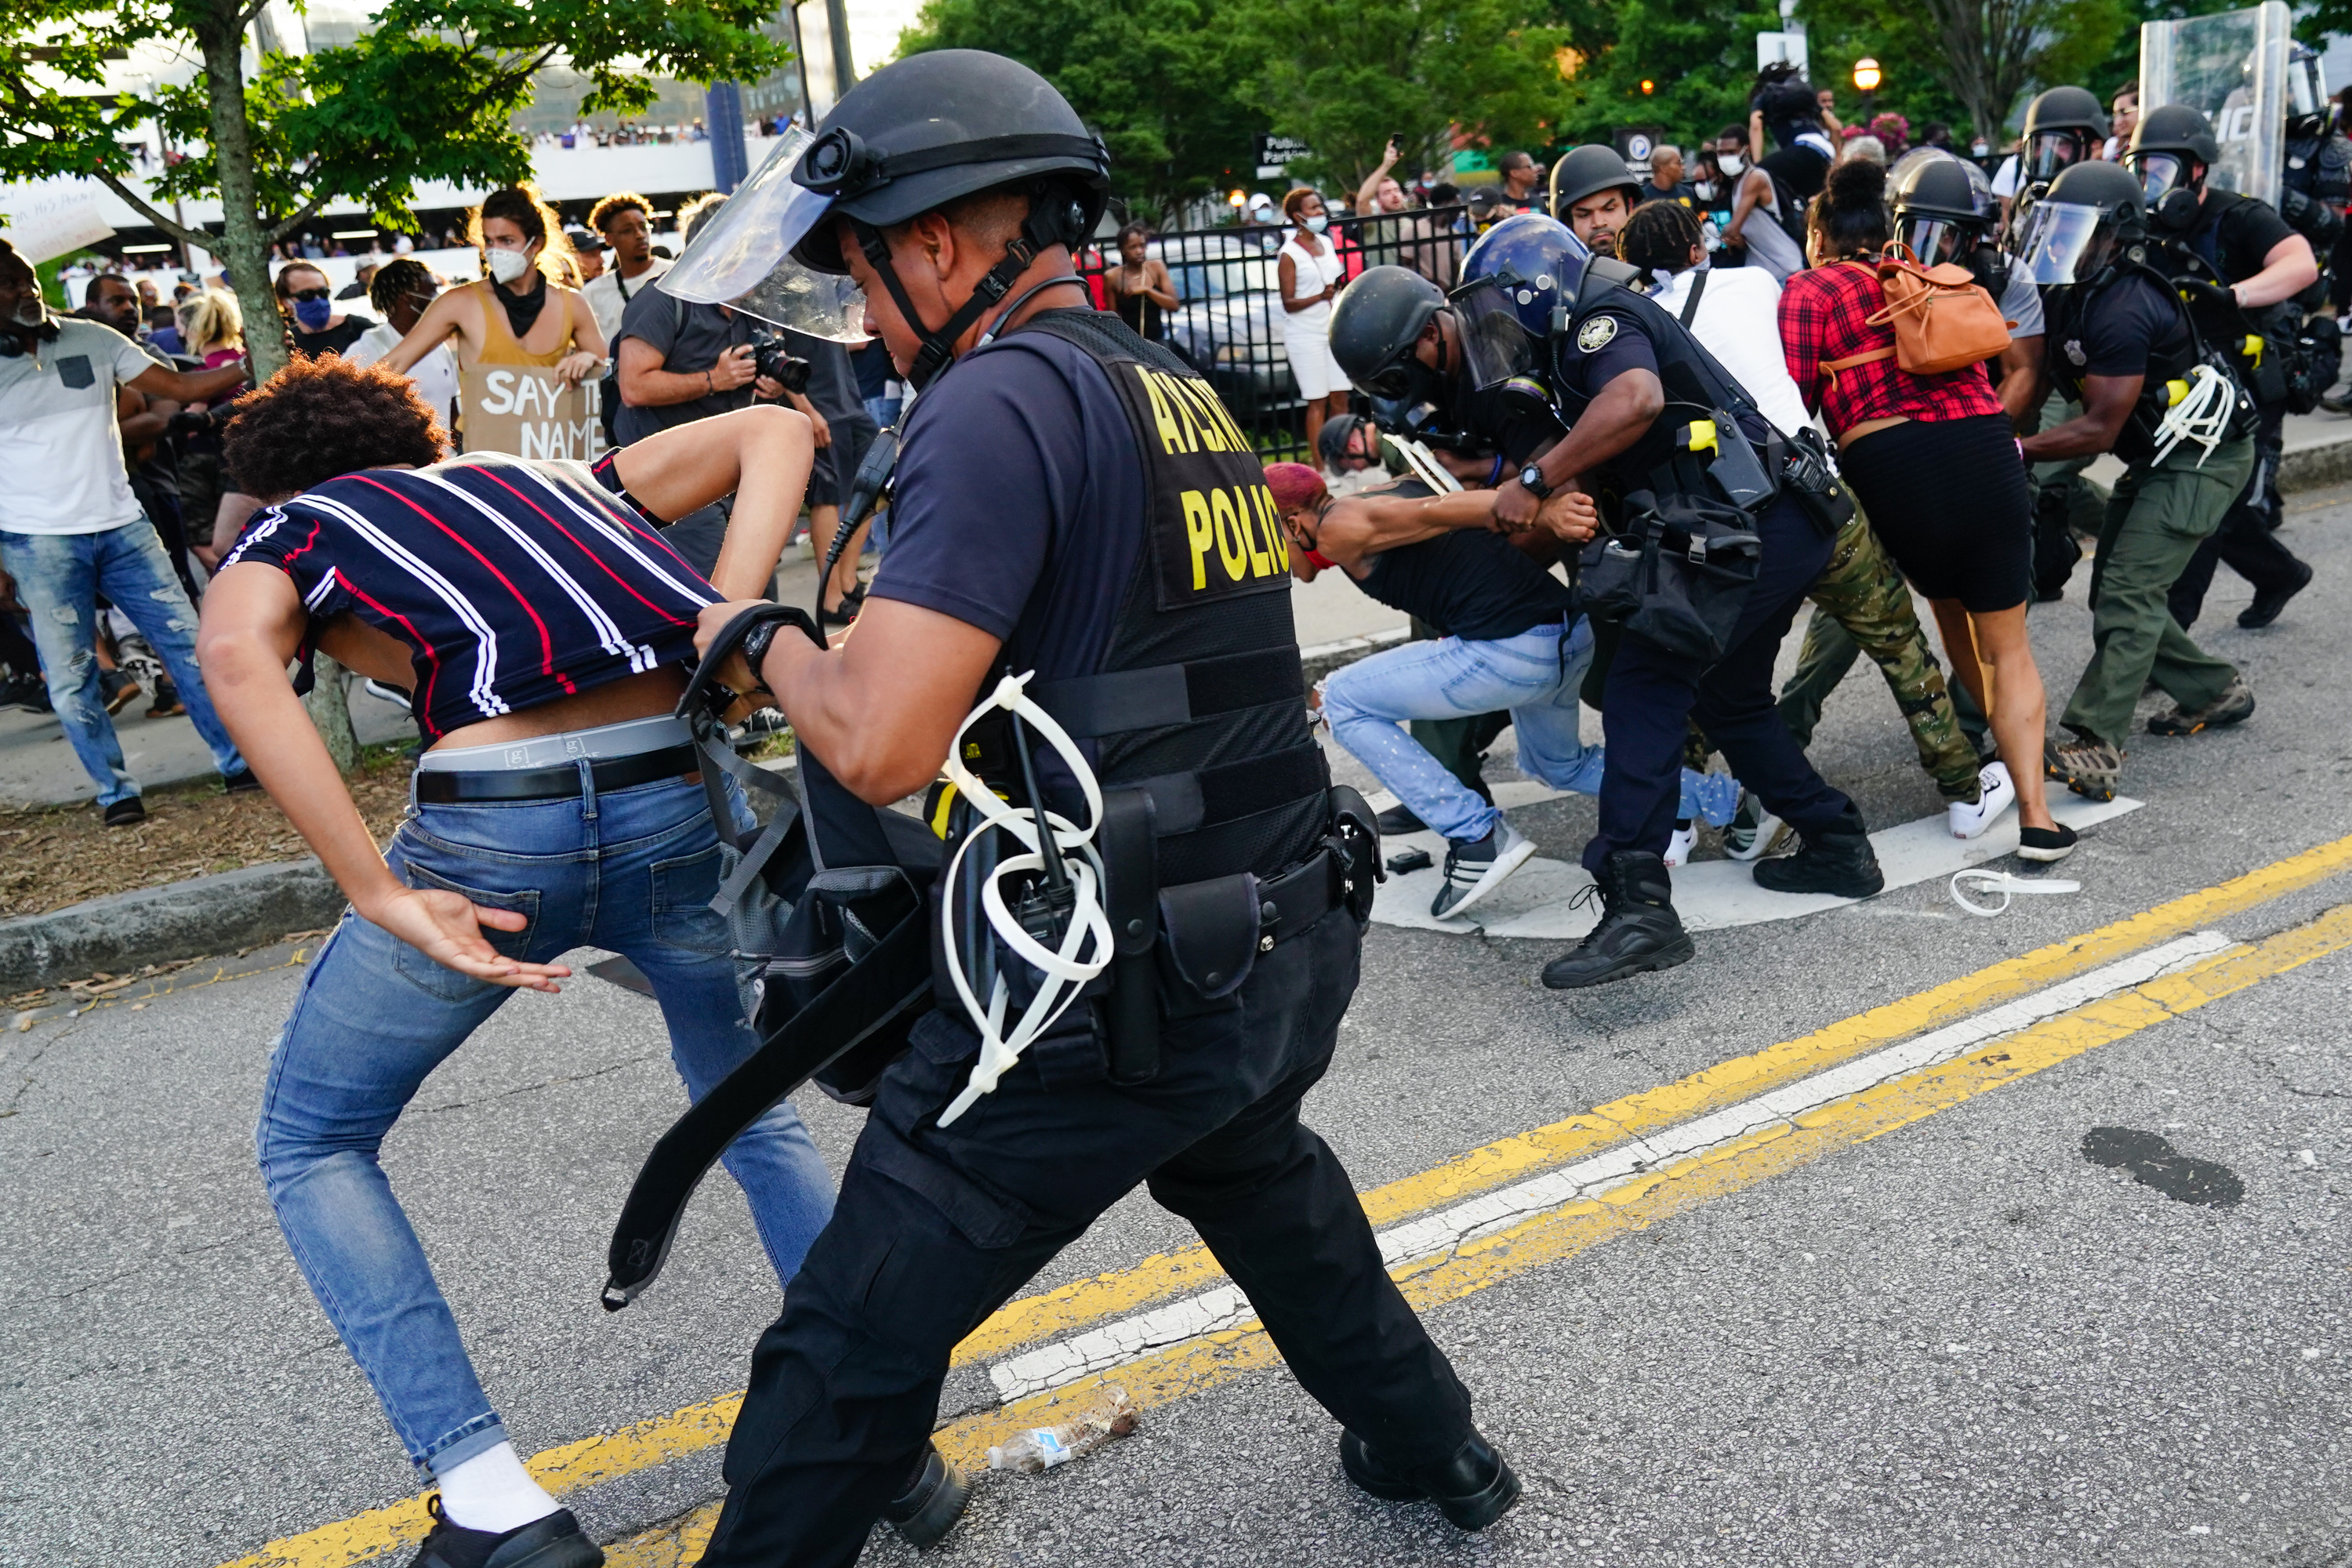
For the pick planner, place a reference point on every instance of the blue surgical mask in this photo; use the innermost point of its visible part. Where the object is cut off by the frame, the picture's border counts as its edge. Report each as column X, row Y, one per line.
column 1318, row 223
column 313, row 314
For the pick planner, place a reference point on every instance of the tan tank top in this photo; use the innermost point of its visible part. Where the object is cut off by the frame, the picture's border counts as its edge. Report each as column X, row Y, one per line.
column 500, row 346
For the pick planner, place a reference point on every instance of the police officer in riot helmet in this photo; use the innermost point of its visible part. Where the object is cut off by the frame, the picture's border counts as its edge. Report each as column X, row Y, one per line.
column 2241, row 266
column 1072, row 501
column 2121, row 344
column 1944, row 211
column 1593, row 195
column 2317, row 181
column 2064, row 126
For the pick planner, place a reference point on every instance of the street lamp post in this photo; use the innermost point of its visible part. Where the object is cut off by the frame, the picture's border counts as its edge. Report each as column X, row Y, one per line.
column 1866, row 77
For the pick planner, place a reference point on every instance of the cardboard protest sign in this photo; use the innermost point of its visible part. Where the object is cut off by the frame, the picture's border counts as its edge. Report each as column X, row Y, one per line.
column 528, row 411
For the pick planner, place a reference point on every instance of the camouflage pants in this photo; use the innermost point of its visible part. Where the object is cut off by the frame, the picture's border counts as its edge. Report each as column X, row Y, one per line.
column 1863, row 605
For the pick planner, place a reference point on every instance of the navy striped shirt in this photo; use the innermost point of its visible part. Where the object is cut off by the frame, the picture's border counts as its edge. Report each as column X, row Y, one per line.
column 513, row 583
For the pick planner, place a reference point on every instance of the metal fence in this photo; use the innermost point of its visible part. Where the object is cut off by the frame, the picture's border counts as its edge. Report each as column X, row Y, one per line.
column 1230, row 325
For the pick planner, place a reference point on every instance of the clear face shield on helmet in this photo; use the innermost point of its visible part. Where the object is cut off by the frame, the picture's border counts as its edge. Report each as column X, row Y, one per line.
column 2065, row 242
column 2052, row 151
column 1937, row 239
column 2160, row 174
column 1496, row 344
column 742, row 257
column 2306, row 86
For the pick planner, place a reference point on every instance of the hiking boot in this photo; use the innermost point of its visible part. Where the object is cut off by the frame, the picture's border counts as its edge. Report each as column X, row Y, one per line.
column 1474, row 1488
column 554, row 1541
column 1838, row 862
column 933, row 1502
column 1400, row 818
column 1639, row 930
column 2269, row 602
column 2090, row 768
column 1475, row 869
column 2234, row 706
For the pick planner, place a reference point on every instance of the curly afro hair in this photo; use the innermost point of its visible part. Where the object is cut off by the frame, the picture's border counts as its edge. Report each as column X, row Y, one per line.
column 321, row 417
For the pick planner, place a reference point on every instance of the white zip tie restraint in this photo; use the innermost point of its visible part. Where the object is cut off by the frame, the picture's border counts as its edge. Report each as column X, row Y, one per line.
column 2006, row 885
column 1425, row 465
column 1085, row 945
column 2203, row 417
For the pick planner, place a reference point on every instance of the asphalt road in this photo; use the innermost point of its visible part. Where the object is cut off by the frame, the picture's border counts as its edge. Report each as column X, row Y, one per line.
column 1962, row 1342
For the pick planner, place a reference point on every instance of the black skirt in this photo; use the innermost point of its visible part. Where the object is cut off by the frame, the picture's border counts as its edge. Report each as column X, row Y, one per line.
column 1950, row 499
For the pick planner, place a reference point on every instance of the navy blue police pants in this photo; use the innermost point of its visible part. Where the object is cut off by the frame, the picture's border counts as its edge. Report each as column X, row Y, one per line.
column 1651, row 694
column 936, row 1227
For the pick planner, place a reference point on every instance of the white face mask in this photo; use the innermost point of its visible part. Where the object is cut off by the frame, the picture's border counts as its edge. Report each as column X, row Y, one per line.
column 1318, row 223
column 1730, row 163
column 506, row 265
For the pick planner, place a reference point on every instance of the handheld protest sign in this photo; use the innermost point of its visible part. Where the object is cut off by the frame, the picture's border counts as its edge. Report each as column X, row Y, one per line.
column 528, row 411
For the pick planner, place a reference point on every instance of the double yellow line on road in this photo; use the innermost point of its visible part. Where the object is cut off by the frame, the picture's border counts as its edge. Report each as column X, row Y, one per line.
column 1179, row 1370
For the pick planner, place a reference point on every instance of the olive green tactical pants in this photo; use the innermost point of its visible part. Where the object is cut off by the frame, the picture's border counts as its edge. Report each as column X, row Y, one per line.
column 2156, row 519
column 1861, row 604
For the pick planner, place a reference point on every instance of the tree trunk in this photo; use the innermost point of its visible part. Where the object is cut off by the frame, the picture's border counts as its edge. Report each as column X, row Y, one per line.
column 244, row 240
column 330, row 712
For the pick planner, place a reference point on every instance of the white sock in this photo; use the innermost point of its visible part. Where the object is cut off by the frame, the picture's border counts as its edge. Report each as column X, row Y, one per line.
column 492, row 1491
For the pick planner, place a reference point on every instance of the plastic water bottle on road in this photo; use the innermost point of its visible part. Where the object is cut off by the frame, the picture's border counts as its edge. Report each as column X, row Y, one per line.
column 1110, row 1413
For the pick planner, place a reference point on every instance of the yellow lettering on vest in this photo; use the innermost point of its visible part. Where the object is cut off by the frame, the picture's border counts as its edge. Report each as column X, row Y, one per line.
column 1204, row 409
column 1232, row 545
column 1260, row 564
column 1199, row 533
column 1262, row 498
column 1170, row 435
column 1183, row 407
column 1234, row 437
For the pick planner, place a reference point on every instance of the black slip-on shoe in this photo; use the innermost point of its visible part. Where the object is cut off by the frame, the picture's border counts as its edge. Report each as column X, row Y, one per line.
column 241, row 782
column 554, row 1541
column 127, row 812
column 2269, row 602
column 1398, row 818
column 1474, row 1488
column 933, row 1502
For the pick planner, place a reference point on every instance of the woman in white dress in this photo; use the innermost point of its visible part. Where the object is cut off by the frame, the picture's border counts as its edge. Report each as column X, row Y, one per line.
column 1308, row 272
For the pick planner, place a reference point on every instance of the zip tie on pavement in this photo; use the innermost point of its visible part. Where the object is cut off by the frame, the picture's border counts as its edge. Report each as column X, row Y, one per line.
column 2006, row 885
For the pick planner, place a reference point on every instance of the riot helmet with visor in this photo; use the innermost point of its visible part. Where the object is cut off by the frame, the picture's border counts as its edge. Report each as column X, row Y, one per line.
column 2092, row 217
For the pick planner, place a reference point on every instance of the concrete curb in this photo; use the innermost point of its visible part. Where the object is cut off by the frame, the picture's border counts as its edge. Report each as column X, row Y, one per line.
column 2316, row 467
column 156, row 925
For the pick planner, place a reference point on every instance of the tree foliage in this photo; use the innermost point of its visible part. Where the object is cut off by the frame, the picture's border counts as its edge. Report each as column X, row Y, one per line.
column 1699, row 58
column 1984, row 55
column 1158, row 79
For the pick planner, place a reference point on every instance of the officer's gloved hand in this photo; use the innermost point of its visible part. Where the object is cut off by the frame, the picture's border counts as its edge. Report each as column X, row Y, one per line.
column 2197, row 292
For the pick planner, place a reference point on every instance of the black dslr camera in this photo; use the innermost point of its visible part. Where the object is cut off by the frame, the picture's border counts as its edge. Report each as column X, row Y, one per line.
column 771, row 359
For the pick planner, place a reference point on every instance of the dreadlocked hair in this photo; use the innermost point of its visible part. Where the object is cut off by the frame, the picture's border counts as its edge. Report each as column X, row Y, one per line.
column 1658, row 238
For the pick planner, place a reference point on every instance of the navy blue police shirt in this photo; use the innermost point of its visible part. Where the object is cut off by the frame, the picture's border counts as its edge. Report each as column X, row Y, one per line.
column 1608, row 343
column 1019, row 503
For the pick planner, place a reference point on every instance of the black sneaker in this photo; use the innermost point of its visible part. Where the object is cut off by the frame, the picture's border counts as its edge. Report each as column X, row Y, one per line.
column 128, row 812
column 933, row 1502
column 1838, row 862
column 2269, row 602
column 241, row 782
column 2234, row 706
column 554, row 1541
column 1474, row 1488
column 1400, row 818
column 1639, row 930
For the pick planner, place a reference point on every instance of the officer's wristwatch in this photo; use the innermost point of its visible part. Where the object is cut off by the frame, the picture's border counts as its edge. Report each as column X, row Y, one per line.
column 1531, row 480
column 754, row 649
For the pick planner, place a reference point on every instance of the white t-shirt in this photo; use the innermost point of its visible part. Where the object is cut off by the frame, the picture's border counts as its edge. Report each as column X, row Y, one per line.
column 59, row 445
column 1738, row 321
column 435, row 374
column 2004, row 179
column 609, row 295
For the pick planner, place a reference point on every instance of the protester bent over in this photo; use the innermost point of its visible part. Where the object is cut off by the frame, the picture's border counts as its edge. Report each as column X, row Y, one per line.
column 543, row 626
column 72, row 531
column 1860, row 600
column 1934, row 461
column 2118, row 337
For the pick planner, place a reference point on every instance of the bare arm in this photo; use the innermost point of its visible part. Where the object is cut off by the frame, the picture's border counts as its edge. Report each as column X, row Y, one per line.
column 2020, row 378
column 1754, row 186
column 2108, row 403
column 2287, row 270
column 880, row 708
column 140, row 417
column 444, row 318
column 1612, row 422
column 228, row 521
column 1755, row 136
column 253, row 622
column 1368, row 194
column 587, row 339
column 761, row 454
column 645, row 384
column 1360, row 526
column 1160, row 286
column 188, row 385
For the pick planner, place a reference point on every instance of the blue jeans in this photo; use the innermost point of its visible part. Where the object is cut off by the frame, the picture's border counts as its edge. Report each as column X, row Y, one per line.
column 633, row 871
column 59, row 577
column 1532, row 674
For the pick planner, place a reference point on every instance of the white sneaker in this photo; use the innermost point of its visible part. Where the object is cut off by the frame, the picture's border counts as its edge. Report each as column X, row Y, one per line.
column 1679, row 846
column 1996, row 793
column 1484, row 865
column 1754, row 832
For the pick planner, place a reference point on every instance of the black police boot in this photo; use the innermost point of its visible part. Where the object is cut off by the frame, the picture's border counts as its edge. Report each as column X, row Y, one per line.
column 1639, row 930
column 1838, row 861
column 933, row 1502
column 1474, row 1488
column 554, row 1541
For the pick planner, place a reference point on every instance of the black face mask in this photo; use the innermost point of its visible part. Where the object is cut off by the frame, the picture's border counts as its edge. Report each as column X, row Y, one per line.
column 2177, row 213
column 1989, row 265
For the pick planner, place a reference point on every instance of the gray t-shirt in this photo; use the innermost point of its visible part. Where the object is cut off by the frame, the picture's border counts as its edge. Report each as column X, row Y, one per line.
column 833, row 380
column 2022, row 302
column 689, row 338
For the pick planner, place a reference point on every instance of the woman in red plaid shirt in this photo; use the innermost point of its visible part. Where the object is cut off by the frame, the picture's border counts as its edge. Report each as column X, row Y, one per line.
column 1935, row 463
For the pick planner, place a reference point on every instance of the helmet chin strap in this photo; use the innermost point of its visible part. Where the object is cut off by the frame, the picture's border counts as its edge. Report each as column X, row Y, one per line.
column 1044, row 227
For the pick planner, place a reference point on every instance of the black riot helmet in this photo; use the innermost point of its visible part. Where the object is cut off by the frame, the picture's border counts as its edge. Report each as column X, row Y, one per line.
column 908, row 140
column 1376, row 322
column 2092, row 221
column 1582, row 172
column 2170, row 154
column 2306, row 93
column 2064, row 126
column 1944, row 211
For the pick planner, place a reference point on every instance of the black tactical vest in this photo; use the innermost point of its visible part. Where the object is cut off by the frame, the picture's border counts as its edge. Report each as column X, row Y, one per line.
column 1200, row 698
column 2136, row 443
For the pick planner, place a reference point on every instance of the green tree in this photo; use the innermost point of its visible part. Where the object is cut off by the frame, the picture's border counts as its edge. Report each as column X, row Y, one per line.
column 1699, row 59
column 1344, row 75
column 1984, row 53
column 426, row 93
column 1159, row 80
